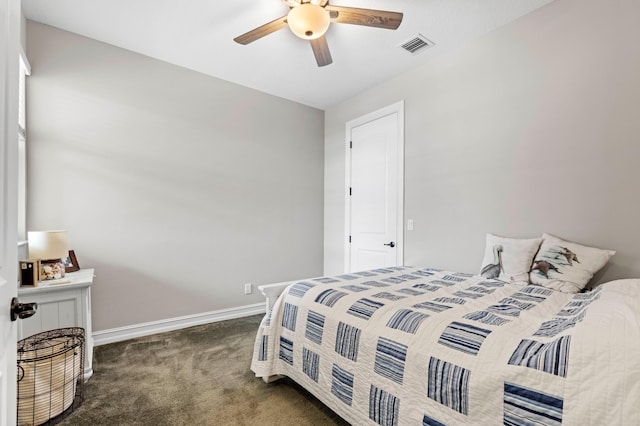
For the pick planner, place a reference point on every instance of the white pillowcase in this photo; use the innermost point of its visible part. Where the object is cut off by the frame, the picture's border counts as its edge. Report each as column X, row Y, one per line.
column 509, row 259
column 566, row 266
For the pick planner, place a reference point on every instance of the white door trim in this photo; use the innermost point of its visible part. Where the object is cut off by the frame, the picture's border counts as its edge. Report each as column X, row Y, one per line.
column 396, row 108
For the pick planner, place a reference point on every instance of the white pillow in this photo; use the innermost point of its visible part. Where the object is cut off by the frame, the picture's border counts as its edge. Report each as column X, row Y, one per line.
column 509, row 259
column 566, row 266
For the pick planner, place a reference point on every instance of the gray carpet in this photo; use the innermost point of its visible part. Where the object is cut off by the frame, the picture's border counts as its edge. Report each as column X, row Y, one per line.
column 196, row 376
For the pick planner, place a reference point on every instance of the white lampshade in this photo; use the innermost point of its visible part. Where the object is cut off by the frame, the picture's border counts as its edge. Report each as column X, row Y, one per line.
column 308, row 21
column 48, row 245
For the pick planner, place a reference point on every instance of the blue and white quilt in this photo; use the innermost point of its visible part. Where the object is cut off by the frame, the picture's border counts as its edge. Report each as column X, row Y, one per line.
column 420, row 346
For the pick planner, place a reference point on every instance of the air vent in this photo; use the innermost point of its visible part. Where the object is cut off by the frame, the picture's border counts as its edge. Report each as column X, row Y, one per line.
column 416, row 44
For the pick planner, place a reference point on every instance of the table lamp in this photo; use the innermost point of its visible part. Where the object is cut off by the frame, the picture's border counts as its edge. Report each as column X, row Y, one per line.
column 51, row 248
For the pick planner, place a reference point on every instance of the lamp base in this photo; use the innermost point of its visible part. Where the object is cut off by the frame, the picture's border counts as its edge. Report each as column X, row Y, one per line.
column 51, row 269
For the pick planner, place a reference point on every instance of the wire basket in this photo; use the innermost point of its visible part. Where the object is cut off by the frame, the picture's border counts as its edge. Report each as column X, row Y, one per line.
column 50, row 376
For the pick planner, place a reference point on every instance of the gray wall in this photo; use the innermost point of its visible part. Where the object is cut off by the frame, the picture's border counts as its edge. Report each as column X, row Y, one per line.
column 23, row 31
column 531, row 128
column 176, row 187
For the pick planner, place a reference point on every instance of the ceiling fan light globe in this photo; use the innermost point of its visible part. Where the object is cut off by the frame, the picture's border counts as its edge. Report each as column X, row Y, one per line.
column 308, row 21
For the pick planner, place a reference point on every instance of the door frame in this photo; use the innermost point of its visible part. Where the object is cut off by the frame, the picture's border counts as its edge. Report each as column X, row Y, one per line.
column 398, row 109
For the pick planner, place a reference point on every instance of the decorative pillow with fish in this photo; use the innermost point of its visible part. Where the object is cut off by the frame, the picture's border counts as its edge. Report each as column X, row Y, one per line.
column 566, row 266
column 509, row 259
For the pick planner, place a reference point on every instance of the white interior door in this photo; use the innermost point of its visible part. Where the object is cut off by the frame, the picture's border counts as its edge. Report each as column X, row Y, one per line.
column 375, row 190
column 9, row 68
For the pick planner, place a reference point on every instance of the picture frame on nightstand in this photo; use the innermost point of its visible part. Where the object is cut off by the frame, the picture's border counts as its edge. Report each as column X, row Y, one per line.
column 29, row 272
column 71, row 262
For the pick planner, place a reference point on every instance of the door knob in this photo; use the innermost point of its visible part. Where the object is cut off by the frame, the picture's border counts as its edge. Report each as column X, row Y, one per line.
column 22, row 310
column 391, row 244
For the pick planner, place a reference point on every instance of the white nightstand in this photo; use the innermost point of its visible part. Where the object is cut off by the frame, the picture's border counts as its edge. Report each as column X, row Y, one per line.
column 61, row 305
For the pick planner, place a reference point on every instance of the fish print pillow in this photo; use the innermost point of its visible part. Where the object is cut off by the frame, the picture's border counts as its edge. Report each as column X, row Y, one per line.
column 509, row 259
column 566, row 266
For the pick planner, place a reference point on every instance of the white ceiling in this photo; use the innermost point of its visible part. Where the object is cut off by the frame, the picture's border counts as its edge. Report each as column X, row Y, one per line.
column 198, row 34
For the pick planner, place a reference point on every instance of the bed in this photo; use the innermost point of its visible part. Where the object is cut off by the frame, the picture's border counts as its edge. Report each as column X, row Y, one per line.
column 423, row 346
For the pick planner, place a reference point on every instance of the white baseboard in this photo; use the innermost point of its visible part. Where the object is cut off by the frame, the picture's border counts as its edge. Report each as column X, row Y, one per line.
column 113, row 335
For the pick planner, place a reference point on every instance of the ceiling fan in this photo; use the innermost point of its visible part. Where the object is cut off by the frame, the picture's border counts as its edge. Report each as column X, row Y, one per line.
column 310, row 19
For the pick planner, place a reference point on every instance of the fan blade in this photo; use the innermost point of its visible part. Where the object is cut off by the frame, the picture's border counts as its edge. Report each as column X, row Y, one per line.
column 321, row 51
column 367, row 17
column 323, row 3
column 262, row 31
column 292, row 3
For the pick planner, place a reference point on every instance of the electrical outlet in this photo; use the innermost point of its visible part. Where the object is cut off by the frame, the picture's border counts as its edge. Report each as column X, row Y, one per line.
column 248, row 288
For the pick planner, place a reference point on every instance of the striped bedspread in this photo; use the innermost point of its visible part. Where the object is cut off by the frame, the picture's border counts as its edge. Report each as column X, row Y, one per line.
column 420, row 346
